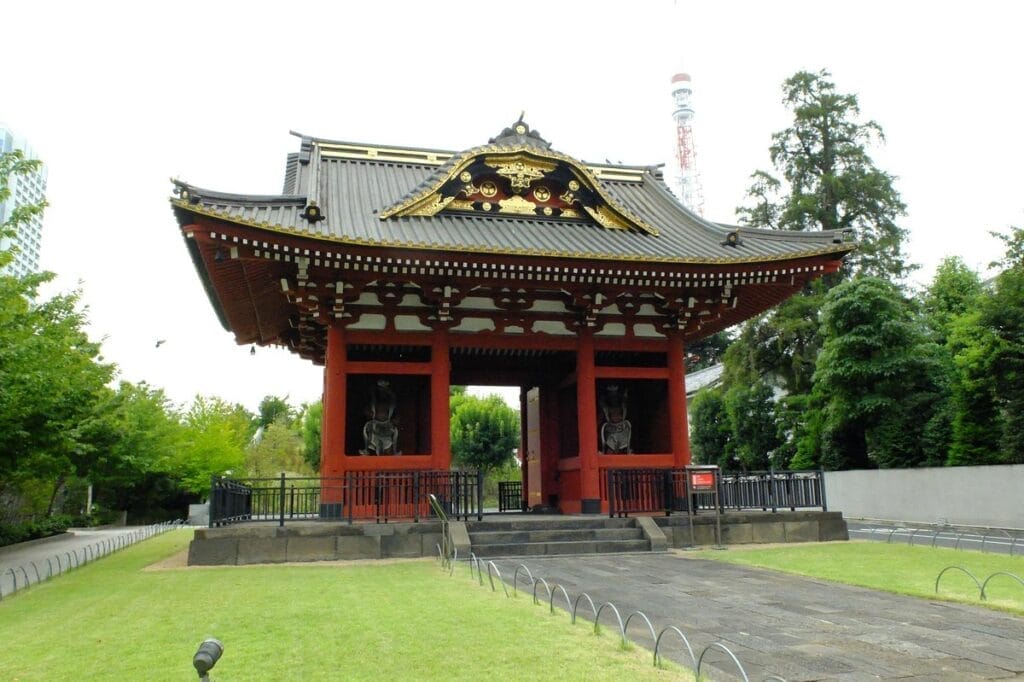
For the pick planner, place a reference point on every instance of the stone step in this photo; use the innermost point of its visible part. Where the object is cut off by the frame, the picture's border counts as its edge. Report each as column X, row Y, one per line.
column 561, row 548
column 506, row 537
column 546, row 524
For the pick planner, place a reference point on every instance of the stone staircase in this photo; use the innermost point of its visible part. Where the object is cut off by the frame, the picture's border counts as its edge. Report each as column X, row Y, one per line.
column 570, row 535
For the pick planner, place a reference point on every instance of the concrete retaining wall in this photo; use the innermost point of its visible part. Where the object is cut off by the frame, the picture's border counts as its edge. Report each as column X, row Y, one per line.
column 969, row 496
column 314, row 541
column 740, row 528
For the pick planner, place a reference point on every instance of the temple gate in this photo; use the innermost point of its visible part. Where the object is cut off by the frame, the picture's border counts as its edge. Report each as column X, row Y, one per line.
column 404, row 271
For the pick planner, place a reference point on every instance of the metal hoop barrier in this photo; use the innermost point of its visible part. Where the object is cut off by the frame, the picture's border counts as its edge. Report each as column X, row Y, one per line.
column 597, row 619
column 491, row 564
column 75, row 558
column 888, row 540
column 657, row 645
column 515, row 578
column 573, row 606
column 719, row 645
column 551, row 600
column 576, row 604
column 962, row 569
column 985, row 584
column 540, row 581
column 453, row 561
column 647, row 620
column 913, row 532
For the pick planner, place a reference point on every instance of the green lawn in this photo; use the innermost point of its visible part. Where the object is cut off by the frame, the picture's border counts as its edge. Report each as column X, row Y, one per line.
column 893, row 568
column 114, row 620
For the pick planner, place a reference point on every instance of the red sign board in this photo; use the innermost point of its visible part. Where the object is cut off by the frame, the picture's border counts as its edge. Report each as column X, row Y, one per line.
column 702, row 479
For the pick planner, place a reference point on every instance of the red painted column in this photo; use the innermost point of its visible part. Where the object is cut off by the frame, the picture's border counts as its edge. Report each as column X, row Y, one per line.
column 586, row 412
column 524, row 442
column 332, row 444
column 679, row 436
column 440, row 414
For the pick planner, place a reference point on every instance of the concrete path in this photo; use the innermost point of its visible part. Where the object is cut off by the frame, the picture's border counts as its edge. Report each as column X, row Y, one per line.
column 797, row 628
column 61, row 546
column 995, row 540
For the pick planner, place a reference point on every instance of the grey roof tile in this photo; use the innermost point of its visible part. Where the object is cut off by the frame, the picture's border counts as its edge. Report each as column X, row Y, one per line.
column 352, row 192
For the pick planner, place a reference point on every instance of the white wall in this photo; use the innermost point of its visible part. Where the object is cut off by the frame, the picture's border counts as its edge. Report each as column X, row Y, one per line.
column 975, row 496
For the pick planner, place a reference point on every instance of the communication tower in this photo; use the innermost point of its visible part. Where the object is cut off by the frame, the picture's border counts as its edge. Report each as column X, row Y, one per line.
column 690, row 191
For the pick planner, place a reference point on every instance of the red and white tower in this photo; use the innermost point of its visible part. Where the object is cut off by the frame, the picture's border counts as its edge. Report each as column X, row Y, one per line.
column 690, row 191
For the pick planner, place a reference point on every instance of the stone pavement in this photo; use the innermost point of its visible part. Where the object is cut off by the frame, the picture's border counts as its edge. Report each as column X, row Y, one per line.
column 779, row 624
column 23, row 554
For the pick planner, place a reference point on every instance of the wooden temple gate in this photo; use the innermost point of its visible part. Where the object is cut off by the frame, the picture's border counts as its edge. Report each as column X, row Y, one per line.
column 404, row 271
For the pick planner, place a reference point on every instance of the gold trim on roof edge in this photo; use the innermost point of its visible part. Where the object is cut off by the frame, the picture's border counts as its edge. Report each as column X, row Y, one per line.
column 423, row 157
column 427, row 201
column 506, row 251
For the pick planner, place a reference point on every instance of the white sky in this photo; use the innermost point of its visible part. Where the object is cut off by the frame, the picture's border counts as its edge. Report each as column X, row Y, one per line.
column 117, row 98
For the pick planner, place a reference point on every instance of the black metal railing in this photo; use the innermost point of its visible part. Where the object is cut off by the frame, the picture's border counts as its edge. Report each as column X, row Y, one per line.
column 665, row 490
column 510, row 496
column 773, row 490
column 633, row 491
column 359, row 495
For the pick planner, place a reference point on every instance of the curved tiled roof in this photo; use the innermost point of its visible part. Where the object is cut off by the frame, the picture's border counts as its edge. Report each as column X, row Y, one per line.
column 352, row 184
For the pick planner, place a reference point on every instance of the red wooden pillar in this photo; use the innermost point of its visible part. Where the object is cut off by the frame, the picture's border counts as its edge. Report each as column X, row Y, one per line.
column 440, row 414
column 679, row 436
column 524, row 442
column 586, row 413
column 332, row 445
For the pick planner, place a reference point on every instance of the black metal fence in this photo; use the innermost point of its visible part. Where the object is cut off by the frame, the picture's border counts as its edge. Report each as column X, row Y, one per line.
column 773, row 490
column 358, row 495
column 665, row 490
column 510, row 496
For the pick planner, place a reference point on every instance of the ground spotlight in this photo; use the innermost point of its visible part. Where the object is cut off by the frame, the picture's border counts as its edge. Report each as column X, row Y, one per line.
column 206, row 657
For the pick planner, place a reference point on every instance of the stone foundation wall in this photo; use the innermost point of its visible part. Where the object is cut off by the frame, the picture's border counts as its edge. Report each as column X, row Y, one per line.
column 755, row 527
column 313, row 541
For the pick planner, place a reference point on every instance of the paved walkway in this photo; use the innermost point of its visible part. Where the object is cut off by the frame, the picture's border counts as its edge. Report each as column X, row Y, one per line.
column 23, row 554
column 797, row 628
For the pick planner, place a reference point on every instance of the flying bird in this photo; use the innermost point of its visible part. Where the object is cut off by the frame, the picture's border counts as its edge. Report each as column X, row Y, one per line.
column 160, row 342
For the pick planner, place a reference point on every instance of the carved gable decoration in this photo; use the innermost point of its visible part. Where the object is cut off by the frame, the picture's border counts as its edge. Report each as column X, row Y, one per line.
column 518, row 174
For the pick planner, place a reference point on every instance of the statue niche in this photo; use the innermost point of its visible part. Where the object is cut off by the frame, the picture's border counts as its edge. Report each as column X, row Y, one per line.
column 616, row 431
column 380, row 433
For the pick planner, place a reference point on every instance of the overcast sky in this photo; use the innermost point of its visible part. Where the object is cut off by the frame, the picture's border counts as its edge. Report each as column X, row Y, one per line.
column 118, row 98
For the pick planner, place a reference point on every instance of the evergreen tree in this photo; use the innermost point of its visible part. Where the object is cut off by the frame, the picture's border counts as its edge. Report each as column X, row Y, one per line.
column 828, row 180
column 878, row 382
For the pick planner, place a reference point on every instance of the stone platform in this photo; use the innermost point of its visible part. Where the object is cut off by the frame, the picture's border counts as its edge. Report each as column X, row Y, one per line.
column 518, row 534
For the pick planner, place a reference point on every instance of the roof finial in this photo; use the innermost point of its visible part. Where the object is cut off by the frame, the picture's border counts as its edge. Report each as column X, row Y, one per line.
column 521, row 115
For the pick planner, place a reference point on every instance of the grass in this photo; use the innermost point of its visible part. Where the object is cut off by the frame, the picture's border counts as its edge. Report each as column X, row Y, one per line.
column 409, row 620
column 895, row 568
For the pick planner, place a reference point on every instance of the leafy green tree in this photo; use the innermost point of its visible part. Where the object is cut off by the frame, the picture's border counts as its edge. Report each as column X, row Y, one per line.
column 278, row 448
column 878, row 381
column 214, row 443
column 706, row 352
column 954, row 291
column 828, row 180
column 755, row 434
column 273, row 409
column 711, row 430
column 988, row 353
column 11, row 164
column 484, row 431
column 312, row 426
column 138, row 438
column 823, row 178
